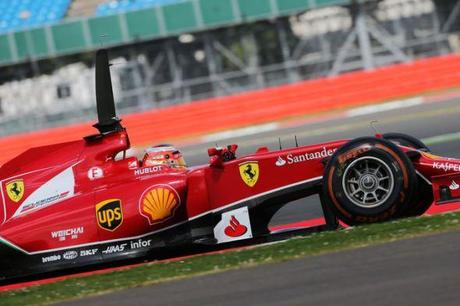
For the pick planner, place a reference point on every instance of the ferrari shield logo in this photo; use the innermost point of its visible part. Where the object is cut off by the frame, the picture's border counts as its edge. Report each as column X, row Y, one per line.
column 249, row 172
column 15, row 190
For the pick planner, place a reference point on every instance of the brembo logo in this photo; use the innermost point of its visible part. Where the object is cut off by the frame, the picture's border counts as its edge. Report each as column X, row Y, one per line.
column 109, row 214
column 51, row 258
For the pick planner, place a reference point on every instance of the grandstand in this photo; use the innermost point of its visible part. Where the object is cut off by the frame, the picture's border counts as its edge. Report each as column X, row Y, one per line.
column 20, row 14
column 173, row 51
column 114, row 7
column 83, row 8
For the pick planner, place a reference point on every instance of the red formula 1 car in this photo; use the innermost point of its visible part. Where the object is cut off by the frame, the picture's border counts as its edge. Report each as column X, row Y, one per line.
column 84, row 202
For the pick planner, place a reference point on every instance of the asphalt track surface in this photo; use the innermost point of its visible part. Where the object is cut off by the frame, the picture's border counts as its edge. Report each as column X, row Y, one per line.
column 423, row 271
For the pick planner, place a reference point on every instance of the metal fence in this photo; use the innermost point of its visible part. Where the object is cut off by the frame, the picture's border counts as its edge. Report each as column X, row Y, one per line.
column 315, row 43
column 73, row 36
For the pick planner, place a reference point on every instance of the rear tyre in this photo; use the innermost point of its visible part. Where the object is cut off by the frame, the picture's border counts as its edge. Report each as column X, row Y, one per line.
column 423, row 198
column 368, row 180
column 407, row 141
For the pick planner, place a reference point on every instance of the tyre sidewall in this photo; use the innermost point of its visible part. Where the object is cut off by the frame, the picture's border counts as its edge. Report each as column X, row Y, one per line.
column 397, row 162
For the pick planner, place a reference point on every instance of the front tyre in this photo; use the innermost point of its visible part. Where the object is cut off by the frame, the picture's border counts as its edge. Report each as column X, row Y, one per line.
column 368, row 180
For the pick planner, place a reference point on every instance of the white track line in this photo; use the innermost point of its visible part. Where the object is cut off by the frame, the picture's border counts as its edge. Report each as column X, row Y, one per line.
column 442, row 138
column 252, row 130
column 355, row 112
column 360, row 111
column 378, row 108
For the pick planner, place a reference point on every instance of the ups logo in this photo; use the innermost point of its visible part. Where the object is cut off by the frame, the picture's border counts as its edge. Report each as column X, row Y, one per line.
column 109, row 214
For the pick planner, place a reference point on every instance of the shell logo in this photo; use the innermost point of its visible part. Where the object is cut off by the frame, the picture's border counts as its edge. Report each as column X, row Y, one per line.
column 159, row 203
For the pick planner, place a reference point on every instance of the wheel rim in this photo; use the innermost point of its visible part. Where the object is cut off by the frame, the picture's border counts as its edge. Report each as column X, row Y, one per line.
column 368, row 182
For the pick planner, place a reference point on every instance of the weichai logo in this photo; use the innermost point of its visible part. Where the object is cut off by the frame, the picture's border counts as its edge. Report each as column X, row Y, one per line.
column 109, row 214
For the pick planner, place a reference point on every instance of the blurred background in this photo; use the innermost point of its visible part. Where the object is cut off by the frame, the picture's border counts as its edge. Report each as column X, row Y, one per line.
column 169, row 52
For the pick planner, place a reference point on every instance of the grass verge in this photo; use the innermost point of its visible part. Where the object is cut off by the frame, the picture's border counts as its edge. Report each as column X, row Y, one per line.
column 294, row 248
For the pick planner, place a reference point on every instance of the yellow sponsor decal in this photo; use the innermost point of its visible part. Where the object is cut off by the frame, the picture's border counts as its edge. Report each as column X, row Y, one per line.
column 109, row 214
column 159, row 203
column 15, row 190
column 431, row 156
column 249, row 172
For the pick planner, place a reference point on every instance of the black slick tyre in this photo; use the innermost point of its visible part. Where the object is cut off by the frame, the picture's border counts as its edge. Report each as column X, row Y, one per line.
column 423, row 198
column 368, row 180
column 406, row 140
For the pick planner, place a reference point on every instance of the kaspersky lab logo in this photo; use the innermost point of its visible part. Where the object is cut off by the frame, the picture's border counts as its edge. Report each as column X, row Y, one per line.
column 109, row 214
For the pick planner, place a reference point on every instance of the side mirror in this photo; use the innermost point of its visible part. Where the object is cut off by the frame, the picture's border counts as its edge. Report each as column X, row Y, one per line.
column 216, row 161
column 220, row 155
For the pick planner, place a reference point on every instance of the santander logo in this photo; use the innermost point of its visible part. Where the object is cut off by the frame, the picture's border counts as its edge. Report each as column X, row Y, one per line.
column 235, row 229
column 234, row 225
column 280, row 162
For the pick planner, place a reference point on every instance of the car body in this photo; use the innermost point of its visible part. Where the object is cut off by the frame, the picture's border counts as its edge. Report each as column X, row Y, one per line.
column 79, row 203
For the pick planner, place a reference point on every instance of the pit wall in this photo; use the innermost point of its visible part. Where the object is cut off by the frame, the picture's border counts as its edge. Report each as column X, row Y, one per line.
column 306, row 98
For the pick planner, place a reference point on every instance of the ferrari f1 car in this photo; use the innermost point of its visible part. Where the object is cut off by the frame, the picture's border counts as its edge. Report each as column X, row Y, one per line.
column 84, row 202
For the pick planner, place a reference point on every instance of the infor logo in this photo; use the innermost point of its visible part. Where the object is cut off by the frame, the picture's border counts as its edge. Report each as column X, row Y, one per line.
column 109, row 214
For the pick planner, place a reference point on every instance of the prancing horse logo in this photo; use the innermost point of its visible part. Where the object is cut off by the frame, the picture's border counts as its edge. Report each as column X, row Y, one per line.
column 249, row 172
column 15, row 190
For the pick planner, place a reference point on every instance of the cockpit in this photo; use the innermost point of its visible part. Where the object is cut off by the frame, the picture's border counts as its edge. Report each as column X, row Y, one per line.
column 163, row 155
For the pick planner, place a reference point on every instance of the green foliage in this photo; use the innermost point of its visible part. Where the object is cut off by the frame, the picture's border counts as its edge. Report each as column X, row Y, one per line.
column 152, row 273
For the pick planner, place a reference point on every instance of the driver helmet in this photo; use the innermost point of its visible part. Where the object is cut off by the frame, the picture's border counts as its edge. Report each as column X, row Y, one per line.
column 163, row 155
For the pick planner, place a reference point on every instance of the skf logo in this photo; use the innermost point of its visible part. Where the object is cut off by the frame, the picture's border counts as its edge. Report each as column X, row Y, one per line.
column 109, row 214
column 249, row 172
column 159, row 203
column 15, row 190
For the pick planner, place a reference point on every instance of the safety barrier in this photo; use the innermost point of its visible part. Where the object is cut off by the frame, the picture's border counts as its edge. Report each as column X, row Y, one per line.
column 272, row 104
